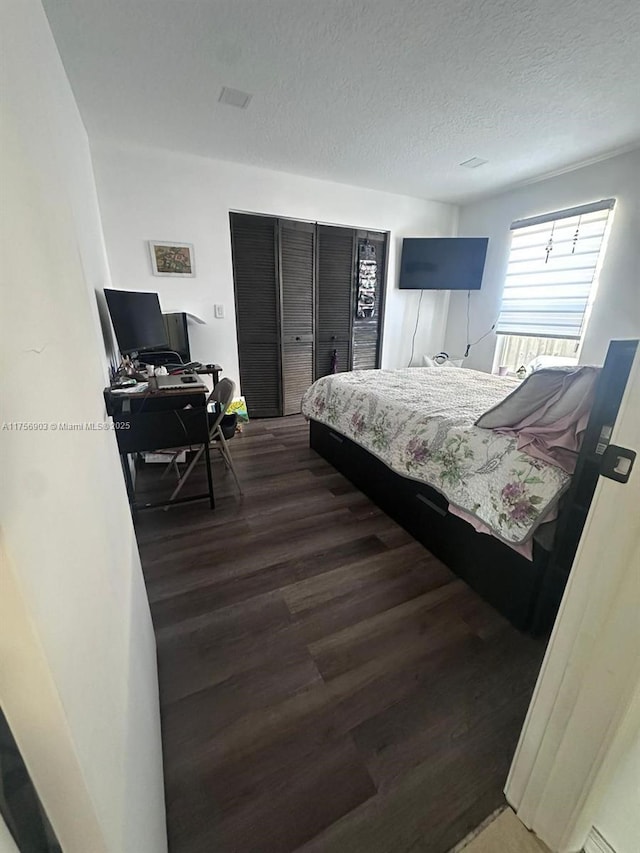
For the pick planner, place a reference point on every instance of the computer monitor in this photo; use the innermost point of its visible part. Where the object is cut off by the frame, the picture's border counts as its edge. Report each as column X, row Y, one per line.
column 137, row 320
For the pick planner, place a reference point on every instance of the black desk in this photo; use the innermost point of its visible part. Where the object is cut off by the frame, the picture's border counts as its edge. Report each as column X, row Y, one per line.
column 213, row 370
column 159, row 420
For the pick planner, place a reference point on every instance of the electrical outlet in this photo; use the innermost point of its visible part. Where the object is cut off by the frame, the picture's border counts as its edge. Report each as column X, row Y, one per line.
column 218, row 311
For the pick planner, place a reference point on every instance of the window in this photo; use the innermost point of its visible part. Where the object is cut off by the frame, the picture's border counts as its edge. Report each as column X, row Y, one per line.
column 515, row 351
column 549, row 287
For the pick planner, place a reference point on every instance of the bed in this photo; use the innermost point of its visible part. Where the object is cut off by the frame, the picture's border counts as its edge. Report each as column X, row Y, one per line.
column 503, row 516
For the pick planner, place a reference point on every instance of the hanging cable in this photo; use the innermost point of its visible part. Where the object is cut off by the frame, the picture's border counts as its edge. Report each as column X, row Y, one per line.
column 468, row 322
column 413, row 339
column 482, row 337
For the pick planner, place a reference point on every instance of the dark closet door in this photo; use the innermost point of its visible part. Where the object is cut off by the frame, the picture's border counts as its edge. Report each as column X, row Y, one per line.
column 253, row 241
column 297, row 253
column 334, row 307
column 371, row 261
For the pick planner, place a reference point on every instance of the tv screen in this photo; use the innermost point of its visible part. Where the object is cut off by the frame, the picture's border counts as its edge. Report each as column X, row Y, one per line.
column 442, row 263
column 137, row 320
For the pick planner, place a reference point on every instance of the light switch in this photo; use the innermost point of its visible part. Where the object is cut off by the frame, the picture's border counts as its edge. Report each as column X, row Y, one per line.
column 218, row 311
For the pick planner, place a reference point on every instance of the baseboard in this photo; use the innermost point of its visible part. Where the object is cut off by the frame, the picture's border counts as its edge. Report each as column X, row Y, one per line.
column 596, row 843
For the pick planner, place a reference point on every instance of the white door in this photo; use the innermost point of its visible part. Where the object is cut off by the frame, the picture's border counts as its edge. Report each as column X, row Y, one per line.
column 585, row 708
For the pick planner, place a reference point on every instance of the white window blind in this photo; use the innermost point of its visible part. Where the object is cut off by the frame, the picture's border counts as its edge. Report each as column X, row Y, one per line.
column 552, row 265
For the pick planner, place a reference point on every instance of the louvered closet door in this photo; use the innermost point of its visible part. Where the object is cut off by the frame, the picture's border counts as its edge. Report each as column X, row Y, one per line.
column 367, row 330
column 253, row 240
column 334, row 298
column 297, row 253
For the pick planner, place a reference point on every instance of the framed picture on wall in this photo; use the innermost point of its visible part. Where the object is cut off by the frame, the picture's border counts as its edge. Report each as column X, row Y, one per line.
column 172, row 259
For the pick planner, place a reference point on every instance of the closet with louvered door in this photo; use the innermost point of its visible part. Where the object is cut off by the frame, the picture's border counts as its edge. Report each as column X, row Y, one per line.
column 334, row 299
column 309, row 301
column 257, row 291
column 371, row 261
column 297, row 274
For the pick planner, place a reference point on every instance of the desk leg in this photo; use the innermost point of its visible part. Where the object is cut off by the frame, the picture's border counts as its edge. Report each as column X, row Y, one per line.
column 124, row 459
column 207, row 462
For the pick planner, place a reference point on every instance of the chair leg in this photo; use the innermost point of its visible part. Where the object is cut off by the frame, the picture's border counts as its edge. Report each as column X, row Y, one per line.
column 226, row 455
column 169, row 465
column 186, row 474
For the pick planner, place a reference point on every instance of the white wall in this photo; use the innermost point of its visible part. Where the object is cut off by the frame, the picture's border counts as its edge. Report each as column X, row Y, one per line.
column 618, row 817
column 150, row 194
column 78, row 681
column 7, row 844
column 616, row 313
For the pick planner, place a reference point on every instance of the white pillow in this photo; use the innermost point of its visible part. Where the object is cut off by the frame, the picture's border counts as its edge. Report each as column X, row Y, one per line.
column 542, row 361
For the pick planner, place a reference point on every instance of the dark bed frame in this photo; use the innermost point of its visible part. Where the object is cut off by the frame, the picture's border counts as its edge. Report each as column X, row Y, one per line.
column 527, row 592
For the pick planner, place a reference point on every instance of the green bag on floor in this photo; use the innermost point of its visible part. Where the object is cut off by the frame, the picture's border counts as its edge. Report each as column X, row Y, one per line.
column 238, row 407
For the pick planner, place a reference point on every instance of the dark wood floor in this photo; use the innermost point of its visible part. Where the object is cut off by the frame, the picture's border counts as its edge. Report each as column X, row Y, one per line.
column 326, row 684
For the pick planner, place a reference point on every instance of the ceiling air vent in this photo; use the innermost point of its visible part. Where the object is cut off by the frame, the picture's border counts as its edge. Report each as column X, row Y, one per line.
column 234, row 98
column 473, row 163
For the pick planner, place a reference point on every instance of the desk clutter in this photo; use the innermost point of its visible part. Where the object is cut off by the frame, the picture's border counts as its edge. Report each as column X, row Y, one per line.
column 133, row 373
column 131, row 387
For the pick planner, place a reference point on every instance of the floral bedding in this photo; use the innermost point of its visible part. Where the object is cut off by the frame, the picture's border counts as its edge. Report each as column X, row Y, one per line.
column 420, row 422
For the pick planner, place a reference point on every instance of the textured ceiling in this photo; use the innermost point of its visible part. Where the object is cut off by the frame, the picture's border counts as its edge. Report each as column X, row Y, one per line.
column 390, row 94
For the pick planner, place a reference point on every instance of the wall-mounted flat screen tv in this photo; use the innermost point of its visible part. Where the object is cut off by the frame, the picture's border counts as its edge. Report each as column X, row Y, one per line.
column 442, row 263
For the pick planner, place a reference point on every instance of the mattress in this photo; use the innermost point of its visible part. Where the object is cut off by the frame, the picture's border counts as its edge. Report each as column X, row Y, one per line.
column 420, row 423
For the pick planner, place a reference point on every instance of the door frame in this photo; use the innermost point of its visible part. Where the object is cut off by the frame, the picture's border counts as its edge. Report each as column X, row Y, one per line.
column 586, row 704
